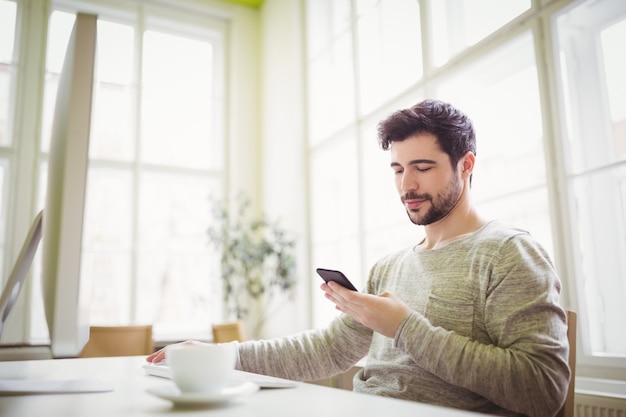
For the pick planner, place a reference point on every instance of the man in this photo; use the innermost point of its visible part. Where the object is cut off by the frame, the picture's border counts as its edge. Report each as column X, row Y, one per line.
column 469, row 317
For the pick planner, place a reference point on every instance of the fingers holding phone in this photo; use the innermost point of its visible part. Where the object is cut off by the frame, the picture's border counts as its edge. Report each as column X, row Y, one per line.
column 382, row 313
column 335, row 276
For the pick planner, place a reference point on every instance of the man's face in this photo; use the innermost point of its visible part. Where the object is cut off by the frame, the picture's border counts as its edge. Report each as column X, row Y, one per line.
column 428, row 186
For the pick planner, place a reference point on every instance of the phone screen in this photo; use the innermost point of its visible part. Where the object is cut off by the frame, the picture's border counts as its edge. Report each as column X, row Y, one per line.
column 337, row 276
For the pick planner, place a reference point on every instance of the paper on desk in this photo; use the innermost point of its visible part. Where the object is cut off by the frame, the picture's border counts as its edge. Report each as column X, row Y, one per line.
column 52, row 386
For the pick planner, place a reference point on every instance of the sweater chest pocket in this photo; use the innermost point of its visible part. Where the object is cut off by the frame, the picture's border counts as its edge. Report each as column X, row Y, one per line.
column 455, row 315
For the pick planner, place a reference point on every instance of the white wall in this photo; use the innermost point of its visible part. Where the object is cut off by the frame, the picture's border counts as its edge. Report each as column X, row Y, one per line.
column 284, row 165
column 244, row 126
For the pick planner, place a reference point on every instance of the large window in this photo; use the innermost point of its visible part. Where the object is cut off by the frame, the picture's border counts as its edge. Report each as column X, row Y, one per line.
column 593, row 86
column 156, row 161
column 561, row 178
column 459, row 24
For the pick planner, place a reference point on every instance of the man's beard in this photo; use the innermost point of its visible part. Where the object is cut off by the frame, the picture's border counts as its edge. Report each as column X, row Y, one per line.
column 440, row 207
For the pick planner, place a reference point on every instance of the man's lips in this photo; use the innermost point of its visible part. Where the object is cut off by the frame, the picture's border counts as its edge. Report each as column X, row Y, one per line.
column 413, row 204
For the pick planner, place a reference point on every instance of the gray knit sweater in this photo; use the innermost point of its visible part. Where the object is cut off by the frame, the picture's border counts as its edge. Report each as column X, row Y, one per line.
column 486, row 332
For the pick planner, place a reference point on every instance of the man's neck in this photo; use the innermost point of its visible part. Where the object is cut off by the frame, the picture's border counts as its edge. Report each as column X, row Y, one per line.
column 462, row 221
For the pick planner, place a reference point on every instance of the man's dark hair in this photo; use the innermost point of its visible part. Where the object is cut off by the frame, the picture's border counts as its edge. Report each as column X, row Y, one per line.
column 452, row 128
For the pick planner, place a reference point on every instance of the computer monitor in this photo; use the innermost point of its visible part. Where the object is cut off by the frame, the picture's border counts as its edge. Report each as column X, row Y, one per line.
column 66, row 295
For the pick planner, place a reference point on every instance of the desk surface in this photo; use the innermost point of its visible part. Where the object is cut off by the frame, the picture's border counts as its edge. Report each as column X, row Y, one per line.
column 129, row 396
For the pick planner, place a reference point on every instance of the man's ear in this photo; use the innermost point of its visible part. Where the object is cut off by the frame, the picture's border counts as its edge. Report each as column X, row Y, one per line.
column 468, row 163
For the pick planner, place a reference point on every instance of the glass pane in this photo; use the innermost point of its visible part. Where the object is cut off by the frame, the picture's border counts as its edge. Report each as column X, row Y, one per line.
column 458, row 24
column 390, row 54
column 603, row 267
column 331, row 76
column 5, row 89
column 331, row 90
column 108, row 209
column 615, row 75
column 177, row 102
column 326, row 21
column 7, row 30
column 179, row 291
column 59, row 30
column 590, row 40
column 116, row 49
column 510, row 154
column 110, row 274
column 7, row 39
column 107, row 244
column 334, row 192
column 112, row 134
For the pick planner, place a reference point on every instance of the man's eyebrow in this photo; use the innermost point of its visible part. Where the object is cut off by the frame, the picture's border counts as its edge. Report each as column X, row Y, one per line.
column 415, row 162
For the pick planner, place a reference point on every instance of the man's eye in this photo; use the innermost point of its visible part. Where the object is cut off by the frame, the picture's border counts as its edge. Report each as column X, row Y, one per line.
column 397, row 172
column 424, row 169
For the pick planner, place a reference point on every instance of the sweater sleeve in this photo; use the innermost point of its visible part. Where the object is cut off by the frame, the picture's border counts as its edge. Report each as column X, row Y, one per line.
column 524, row 367
column 310, row 355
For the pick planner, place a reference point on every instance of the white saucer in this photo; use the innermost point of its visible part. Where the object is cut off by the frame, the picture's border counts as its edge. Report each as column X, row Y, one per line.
column 173, row 394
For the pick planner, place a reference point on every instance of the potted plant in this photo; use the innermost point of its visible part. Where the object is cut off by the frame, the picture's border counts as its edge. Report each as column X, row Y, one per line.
column 257, row 261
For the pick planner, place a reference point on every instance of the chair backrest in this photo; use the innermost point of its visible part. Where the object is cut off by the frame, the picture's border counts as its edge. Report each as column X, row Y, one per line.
column 568, row 407
column 118, row 341
column 228, row 332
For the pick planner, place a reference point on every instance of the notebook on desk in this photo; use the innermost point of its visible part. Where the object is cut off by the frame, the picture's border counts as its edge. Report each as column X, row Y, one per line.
column 162, row 370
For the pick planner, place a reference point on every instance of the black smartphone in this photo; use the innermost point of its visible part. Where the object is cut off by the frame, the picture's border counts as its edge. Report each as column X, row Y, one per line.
column 337, row 276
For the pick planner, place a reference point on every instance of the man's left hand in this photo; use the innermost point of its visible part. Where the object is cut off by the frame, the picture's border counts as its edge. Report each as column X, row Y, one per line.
column 382, row 313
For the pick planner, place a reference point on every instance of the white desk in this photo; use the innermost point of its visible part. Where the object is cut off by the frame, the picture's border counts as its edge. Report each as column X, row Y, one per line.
column 129, row 397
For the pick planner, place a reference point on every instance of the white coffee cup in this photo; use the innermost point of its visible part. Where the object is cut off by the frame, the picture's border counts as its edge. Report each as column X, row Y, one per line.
column 201, row 367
